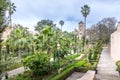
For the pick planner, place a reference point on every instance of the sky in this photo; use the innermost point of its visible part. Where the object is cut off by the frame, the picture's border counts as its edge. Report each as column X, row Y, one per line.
column 29, row 12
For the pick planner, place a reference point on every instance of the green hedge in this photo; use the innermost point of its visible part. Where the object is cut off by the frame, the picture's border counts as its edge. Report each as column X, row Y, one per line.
column 67, row 71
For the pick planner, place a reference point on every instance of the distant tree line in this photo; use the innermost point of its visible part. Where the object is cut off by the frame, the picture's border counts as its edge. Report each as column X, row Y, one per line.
column 102, row 30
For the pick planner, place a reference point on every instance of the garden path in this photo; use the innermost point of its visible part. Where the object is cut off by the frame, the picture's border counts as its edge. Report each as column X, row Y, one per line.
column 14, row 72
column 18, row 71
column 106, row 69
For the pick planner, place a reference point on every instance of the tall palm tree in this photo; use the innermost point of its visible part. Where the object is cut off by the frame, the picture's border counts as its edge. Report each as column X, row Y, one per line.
column 61, row 23
column 11, row 10
column 85, row 12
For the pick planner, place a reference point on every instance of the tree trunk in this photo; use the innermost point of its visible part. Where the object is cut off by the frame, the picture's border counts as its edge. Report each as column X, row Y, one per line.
column 28, row 50
column 85, row 33
column 0, row 52
column 8, row 50
column 48, row 52
column 61, row 29
column 19, row 54
column 32, row 49
column 10, row 21
column 0, row 60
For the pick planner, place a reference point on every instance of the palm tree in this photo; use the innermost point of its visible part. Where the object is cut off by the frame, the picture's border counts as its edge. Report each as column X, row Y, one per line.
column 18, row 39
column 61, row 23
column 3, row 9
column 11, row 10
column 85, row 11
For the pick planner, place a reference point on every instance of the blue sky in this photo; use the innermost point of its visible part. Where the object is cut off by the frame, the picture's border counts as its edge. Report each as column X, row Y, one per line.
column 29, row 12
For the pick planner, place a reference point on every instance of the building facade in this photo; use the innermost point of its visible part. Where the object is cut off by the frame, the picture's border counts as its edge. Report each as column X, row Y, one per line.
column 80, row 31
column 115, row 44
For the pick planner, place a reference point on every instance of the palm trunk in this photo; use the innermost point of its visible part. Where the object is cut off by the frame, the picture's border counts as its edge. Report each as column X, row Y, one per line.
column 28, row 50
column 0, row 52
column 85, row 33
column 19, row 54
column 10, row 21
column 48, row 51
column 0, row 60
column 32, row 49
column 8, row 50
column 61, row 29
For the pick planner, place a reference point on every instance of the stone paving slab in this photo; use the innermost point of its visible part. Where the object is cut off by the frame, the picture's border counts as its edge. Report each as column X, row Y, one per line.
column 75, row 76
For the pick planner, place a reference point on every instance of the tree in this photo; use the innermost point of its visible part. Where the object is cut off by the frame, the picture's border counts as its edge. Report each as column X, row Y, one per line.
column 11, row 10
column 3, row 25
column 102, row 30
column 85, row 11
column 18, row 39
column 37, row 63
column 61, row 23
column 43, row 23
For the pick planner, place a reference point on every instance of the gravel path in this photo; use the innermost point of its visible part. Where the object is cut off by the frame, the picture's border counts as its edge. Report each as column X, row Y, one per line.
column 106, row 67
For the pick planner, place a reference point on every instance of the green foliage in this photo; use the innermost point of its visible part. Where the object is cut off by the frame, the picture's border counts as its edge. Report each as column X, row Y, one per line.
column 67, row 71
column 80, row 63
column 118, row 65
column 94, row 65
column 11, row 63
column 85, row 10
column 38, row 63
column 90, row 55
column 87, row 64
column 3, row 8
column 61, row 22
column 72, row 56
column 102, row 29
column 43, row 23
column 23, row 76
column 97, row 50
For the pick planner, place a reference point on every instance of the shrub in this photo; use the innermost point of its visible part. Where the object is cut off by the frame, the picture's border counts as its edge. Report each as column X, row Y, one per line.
column 38, row 63
column 97, row 50
column 85, row 67
column 67, row 71
column 90, row 55
column 118, row 65
column 87, row 64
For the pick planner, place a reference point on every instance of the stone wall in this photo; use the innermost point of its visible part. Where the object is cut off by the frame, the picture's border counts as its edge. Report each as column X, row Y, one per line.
column 115, row 45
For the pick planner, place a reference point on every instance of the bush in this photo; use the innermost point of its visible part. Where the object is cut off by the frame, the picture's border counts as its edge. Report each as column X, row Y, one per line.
column 84, row 68
column 97, row 50
column 87, row 65
column 90, row 55
column 38, row 63
column 118, row 65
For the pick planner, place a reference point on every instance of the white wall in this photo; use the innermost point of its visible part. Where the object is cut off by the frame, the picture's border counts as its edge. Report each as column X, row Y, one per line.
column 115, row 45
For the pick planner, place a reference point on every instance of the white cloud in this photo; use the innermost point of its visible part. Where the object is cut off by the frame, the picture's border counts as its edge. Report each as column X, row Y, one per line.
column 30, row 12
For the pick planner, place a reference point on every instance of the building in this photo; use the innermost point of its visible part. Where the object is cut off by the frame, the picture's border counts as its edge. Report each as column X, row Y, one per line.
column 6, row 33
column 115, row 44
column 80, row 31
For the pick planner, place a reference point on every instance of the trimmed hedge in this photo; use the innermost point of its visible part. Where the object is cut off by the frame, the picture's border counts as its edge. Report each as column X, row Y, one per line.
column 67, row 71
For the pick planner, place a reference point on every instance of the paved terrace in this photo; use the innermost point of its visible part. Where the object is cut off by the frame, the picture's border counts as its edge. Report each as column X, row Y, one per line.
column 106, row 67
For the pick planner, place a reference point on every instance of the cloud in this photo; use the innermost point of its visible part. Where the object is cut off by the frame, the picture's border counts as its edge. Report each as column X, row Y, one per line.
column 30, row 12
